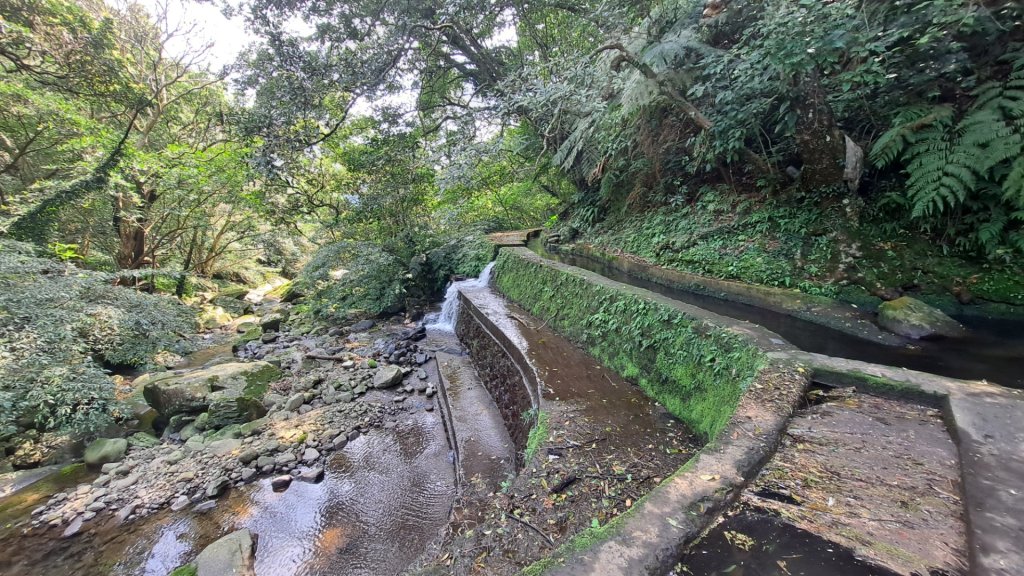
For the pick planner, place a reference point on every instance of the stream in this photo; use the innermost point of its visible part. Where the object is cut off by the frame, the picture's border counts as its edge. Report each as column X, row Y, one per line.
column 384, row 502
column 992, row 350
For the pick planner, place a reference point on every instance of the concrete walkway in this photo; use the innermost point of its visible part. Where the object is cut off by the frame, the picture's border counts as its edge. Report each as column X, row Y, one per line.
column 483, row 448
column 987, row 423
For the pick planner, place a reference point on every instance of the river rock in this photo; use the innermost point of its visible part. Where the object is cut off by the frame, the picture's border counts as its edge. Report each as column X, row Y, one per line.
column 310, row 455
column 74, row 527
column 247, row 474
column 143, row 440
column 232, row 555
column 312, row 475
column 234, row 406
column 363, row 325
column 217, row 487
column 222, row 447
column 126, row 482
column 281, row 483
column 105, row 451
column 294, row 402
column 387, row 377
column 180, row 503
column 190, row 392
column 912, row 318
column 272, row 322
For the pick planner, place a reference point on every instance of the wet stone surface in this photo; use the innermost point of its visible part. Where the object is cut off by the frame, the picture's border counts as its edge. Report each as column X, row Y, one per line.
column 861, row 485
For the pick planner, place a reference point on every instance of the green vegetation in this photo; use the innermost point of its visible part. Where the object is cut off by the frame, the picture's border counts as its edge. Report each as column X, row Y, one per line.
column 792, row 242
column 538, row 433
column 59, row 325
column 696, row 371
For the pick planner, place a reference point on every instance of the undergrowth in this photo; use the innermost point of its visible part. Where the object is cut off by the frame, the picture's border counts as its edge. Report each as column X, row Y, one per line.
column 697, row 371
column 823, row 246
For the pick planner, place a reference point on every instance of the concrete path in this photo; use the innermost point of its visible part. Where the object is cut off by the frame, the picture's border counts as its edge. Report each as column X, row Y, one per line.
column 987, row 423
column 483, row 448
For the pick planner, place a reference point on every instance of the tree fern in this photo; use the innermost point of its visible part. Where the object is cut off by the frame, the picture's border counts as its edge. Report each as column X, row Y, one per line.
column 951, row 159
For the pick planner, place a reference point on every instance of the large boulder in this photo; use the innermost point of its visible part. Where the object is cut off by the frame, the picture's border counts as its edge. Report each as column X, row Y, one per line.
column 211, row 317
column 387, row 377
column 233, row 306
column 232, row 555
column 272, row 322
column 190, row 393
column 104, row 451
column 234, row 407
column 912, row 318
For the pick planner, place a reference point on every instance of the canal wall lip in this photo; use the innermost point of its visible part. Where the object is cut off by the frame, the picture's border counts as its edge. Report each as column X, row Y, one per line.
column 819, row 310
column 651, row 536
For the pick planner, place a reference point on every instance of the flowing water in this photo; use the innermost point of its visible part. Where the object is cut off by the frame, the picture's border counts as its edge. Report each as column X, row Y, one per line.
column 992, row 349
column 444, row 321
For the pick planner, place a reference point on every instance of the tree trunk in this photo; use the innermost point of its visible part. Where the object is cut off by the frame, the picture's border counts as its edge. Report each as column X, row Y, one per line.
column 821, row 144
column 131, row 224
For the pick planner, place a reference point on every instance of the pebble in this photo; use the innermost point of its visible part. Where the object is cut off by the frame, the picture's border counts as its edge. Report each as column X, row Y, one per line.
column 180, row 503
column 312, row 475
column 74, row 527
column 310, row 455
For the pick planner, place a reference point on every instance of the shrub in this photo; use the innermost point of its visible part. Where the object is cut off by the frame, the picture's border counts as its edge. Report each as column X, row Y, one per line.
column 58, row 324
column 348, row 278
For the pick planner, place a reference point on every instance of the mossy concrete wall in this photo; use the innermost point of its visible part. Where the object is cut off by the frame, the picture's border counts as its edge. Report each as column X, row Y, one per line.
column 811, row 308
column 695, row 363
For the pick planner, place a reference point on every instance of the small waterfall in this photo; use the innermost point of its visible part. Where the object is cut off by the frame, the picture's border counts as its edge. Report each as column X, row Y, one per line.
column 445, row 321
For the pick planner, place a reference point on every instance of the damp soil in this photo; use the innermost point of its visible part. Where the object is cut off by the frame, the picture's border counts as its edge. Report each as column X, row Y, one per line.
column 992, row 349
column 861, row 485
column 606, row 445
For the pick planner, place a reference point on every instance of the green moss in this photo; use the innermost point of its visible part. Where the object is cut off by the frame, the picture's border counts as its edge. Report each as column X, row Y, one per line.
column 258, row 382
column 73, row 469
column 538, row 434
column 186, row 570
column 695, row 370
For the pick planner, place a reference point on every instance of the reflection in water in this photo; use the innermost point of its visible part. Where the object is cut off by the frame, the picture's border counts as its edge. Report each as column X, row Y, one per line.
column 384, row 501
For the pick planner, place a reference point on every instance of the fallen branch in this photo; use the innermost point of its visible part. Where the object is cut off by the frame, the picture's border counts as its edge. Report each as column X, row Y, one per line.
column 550, row 542
column 326, row 357
column 565, row 483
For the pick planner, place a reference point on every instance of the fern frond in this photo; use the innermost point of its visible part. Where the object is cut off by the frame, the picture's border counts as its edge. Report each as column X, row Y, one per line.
column 908, row 122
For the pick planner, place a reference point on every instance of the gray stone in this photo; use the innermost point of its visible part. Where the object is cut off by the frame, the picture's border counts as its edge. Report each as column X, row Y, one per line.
column 250, row 428
column 217, row 487
column 248, row 455
column 234, row 406
column 271, row 322
column 205, row 506
column 74, row 527
column 264, row 461
column 232, row 555
column 312, row 475
column 105, row 451
column 281, row 483
column 285, row 458
column 310, row 455
column 180, row 503
column 271, row 400
column 126, row 482
column 387, row 377
column 294, row 402
column 363, row 325
column 225, row 446
column 189, row 392
column 143, row 440
column 108, row 468
column 912, row 318
column 247, row 474
column 126, row 511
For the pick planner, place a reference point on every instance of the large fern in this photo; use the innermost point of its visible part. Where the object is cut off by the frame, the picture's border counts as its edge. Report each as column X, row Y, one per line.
column 953, row 160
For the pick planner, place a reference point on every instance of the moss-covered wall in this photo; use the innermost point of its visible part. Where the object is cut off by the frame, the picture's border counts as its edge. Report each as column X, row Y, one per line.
column 696, row 370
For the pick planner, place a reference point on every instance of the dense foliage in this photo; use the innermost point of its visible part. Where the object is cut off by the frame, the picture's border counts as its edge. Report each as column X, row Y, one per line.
column 59, row 327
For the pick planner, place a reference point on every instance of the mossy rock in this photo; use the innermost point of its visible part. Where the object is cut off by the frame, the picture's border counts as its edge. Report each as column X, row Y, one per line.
column 912, row 318
column 104, row 451
column 190, row 392
column 186, row 570
column 254, row 333
column 211, row 317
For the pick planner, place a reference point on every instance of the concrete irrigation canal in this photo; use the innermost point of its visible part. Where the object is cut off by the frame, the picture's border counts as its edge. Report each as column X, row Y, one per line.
column 569, row 412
